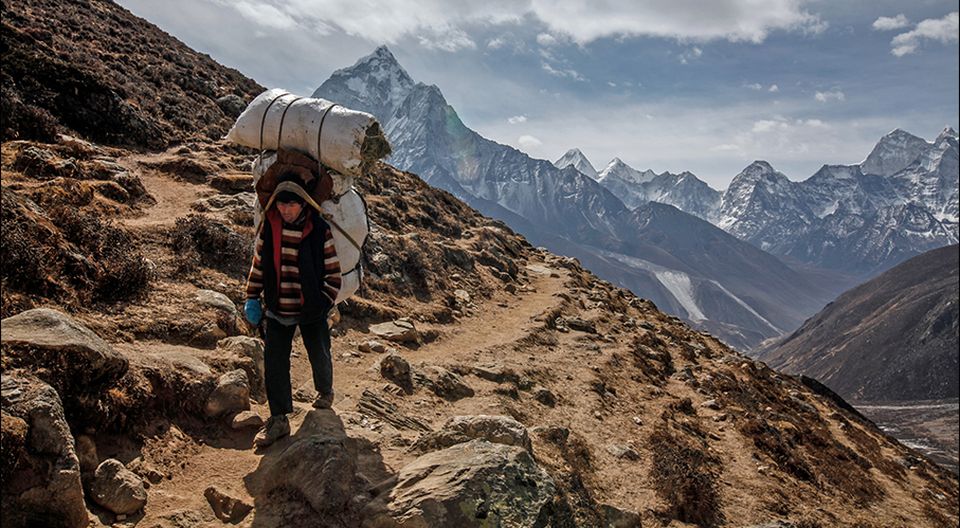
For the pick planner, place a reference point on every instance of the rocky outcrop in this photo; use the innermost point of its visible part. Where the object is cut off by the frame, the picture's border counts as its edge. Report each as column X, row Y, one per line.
column 459, row 429
column 44, row 488
column 67, row 353
column 231, row 395
column 472, row 484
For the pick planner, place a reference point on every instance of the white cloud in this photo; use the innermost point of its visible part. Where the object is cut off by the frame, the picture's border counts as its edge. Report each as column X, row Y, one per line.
column 833, row 95
column 528, row 142
column 562, row 72
column 940, row 29
column 754, row 86
column 690, row 54
column 428, row 20
column 889, row 23
column 768, row 125
column 517, row 119
column 773, row 88
column 546, row 39
column 496, row 43
column 450, row 40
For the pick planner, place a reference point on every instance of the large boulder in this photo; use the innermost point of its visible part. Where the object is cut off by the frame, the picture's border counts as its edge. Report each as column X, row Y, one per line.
column 117, row 489
column 44, row 488
column 315, row 463
column 69, row 355
column 459, row 429
column 231, row 395
column 472, row 484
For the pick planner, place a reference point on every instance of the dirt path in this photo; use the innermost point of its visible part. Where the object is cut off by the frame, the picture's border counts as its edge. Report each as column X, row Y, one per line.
column 173, row 197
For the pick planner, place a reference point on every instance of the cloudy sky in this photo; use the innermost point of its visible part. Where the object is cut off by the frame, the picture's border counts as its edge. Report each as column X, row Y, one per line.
column 662, row 84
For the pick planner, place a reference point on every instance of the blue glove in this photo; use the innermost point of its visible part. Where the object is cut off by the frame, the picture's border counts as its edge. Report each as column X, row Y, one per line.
column 253, row 311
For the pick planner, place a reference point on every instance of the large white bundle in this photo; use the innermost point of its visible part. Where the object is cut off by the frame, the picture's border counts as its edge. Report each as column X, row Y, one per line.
column 349, row 138
column 350, row 215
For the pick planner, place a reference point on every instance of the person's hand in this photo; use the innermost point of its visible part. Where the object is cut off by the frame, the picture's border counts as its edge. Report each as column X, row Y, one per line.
column 253, row 311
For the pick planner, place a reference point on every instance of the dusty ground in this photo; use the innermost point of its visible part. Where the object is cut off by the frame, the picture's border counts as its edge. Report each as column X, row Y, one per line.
column 603, row 395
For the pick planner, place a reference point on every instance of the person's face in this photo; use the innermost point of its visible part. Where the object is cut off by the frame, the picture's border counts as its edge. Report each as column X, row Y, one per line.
column 289, row 210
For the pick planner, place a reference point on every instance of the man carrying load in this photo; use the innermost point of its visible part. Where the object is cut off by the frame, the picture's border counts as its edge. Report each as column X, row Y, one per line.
column 296, row 271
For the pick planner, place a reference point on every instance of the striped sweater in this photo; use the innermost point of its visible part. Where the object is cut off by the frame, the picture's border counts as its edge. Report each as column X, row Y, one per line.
column 290, row 300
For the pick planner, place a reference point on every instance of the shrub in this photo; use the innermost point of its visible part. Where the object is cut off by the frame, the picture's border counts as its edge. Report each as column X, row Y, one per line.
column 200, row 240
column 684, row 480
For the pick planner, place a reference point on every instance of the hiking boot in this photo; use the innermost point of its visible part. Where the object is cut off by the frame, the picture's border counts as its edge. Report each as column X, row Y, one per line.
column 276, row 428
column 324, row 401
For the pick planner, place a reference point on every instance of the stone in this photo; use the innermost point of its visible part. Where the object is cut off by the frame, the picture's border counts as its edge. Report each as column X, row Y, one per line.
column 711, row 404
column 580, row 325
column 51, row 493
column 71, row 352
column 614, row 517
column 232, row 394
column 246, row 420
column 555, row 434
column 315, row 463
column 252, row 348
column 458, row 429
column 623, row 452
column 305, row 393
column 462, row 296
column 472, row 484
column 372, row 346
column 399, row 331
column 228, row 509
column 544, row 396
column 117, row 489
column 231, row 105
column 443, row 383
column 397, row 370
column 217, row 301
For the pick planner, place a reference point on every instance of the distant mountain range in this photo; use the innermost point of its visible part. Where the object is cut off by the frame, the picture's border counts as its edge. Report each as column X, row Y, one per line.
column 734, row 289
column 892, row 338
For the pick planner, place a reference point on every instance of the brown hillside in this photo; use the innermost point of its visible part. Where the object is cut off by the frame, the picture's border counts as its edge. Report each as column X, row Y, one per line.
column 611, row 413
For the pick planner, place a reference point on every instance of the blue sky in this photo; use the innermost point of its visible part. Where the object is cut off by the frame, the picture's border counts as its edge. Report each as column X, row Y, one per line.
column 663, row 84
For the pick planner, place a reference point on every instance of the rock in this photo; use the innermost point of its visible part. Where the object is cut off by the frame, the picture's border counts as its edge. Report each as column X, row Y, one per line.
column 510, row 288
column 305, row 393
column 472, row 484
column 45, row 488
column 580, row 325
column 711, row 404
column 372, row 346
column 458, row 429
column 554, row 434
column 228, row 509
column 87, row 454
column 443, row 383
column 231, row 394
column 314, row 463
column 399, row 331
column 614, row 517
column 71, row 354
column 117, row 489
column 246, row 420
column 544, row 396
column 397, row 370
column 462, row 297
column 623, row 452
column 249, row 347
column 208, row 334
column 217, row 301
column 13, row 439
column 145, row 470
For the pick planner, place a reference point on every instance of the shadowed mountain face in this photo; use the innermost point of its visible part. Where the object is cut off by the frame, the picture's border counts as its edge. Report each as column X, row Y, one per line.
column 892, row 338
column 506, row 385
column 112, row 77
column 690, row 268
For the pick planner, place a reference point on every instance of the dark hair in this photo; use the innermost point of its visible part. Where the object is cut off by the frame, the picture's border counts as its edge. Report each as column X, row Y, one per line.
column 289, row 197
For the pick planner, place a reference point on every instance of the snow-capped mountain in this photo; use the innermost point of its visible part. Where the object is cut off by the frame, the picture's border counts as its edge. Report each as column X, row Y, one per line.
column 570, row 212
column 635, row 188
column 858, row 219
column 579, row 161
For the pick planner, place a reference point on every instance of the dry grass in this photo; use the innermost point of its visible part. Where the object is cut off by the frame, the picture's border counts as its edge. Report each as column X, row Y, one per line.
column 685, row 479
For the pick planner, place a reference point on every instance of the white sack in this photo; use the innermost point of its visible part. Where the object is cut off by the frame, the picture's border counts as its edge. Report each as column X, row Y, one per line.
column 344, row 130
column 350, row 213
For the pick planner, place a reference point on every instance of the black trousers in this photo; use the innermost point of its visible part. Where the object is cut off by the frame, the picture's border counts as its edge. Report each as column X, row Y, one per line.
column 278, row 342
